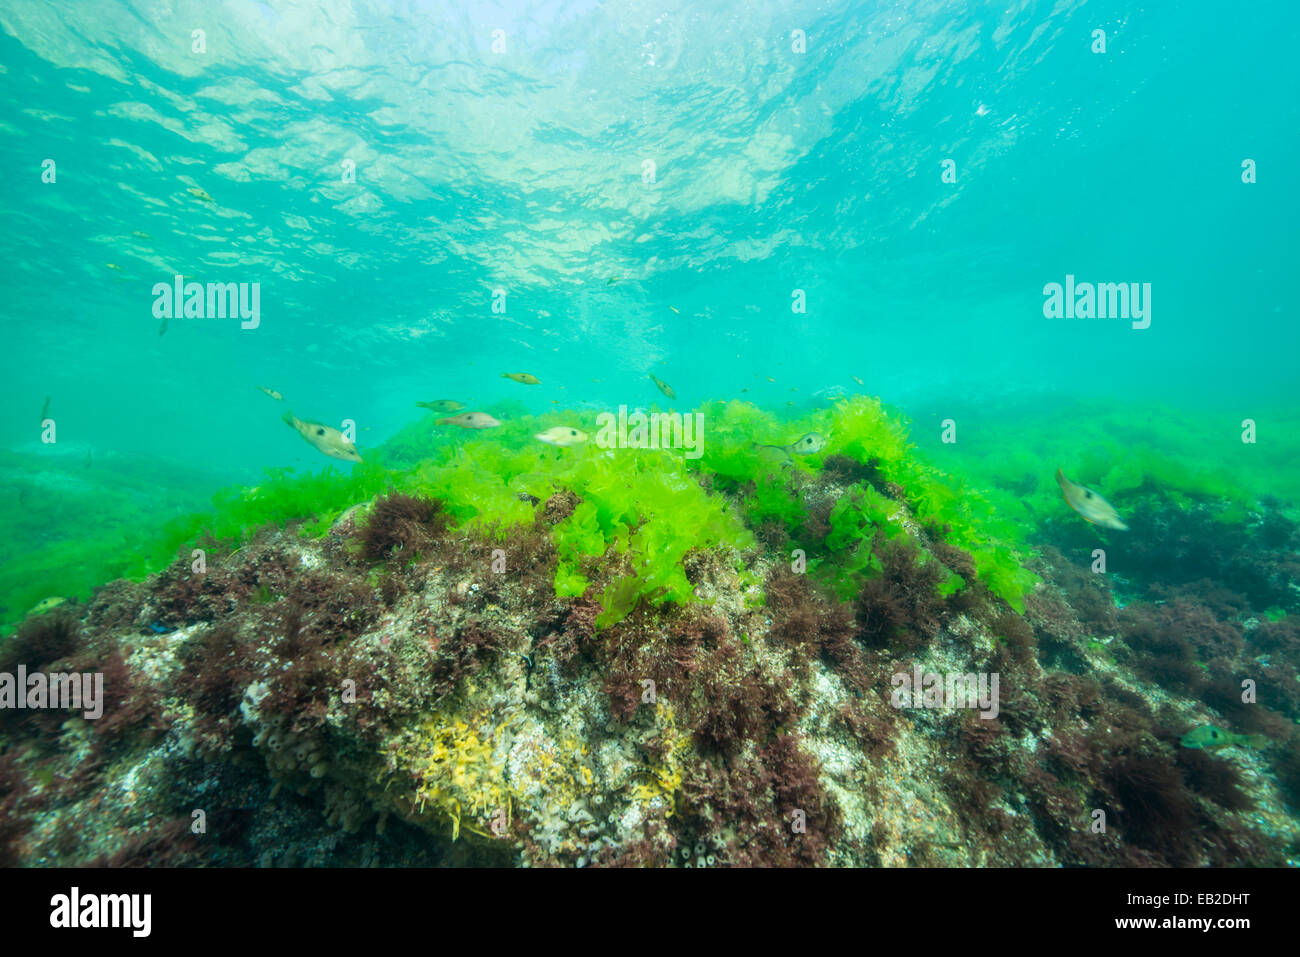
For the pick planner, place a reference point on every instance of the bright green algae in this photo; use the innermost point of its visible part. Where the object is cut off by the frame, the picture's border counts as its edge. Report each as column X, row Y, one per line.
column 646, row 508
column 1182, row 457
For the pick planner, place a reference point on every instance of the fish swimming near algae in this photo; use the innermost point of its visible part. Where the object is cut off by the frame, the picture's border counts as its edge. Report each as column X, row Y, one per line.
column 1208, row 736
column 663, row 386
column 442, row 406
column 470, row 420
column 45, row 604
column 1089, row 504
column 562, row 435
column 325, row 438
column 806, row 444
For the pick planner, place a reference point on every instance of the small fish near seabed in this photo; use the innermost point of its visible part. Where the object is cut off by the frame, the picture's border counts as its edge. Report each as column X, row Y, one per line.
column 325, row 438
column 664, row 387
column 804, row 445
column 45, row 604
column 45, row 410
column 1208, row 736
column 271, row 392
column 198, row 193
column 522, row 377
column 471, row 420
column 442, row 405
column 1089, row 504
column 562, row 435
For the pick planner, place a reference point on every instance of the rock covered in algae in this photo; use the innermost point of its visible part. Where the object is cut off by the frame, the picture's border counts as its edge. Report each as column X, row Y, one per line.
column 670, row 665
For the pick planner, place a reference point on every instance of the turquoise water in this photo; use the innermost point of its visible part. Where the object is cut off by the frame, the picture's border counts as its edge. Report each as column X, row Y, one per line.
column 788, row 204
column 522, row 171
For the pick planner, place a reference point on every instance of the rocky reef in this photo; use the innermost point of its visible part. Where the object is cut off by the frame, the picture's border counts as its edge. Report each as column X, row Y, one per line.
column 490, row 652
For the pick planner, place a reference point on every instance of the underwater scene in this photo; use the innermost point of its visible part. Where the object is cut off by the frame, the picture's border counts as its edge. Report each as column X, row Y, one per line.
column 554, row 433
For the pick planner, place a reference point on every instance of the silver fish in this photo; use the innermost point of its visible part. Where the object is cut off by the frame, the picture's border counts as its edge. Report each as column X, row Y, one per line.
column 325, row 438
column 562, row 435
column 1089, row 504
column 470, row 420
column 805, row 445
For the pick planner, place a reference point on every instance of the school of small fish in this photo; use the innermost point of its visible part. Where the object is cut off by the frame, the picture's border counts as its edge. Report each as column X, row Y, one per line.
column 330, row 441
